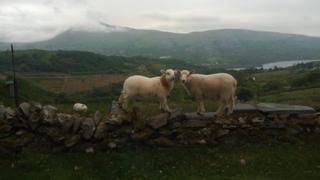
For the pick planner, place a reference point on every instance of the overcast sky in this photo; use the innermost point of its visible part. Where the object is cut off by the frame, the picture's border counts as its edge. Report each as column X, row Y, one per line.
column 31, row 20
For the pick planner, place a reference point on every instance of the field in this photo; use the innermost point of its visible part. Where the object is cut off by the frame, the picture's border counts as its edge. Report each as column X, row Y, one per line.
column 297, row 85
column 309, row 97
column 72, row 83
column 250, row 161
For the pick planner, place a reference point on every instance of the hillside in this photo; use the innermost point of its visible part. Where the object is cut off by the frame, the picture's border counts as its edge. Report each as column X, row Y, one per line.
column 76, row 62
column 221, row 48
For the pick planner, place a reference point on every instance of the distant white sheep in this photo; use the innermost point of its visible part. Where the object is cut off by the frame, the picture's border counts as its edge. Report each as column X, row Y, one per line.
column 78, row 107
column 220, row 87
column 143, row 86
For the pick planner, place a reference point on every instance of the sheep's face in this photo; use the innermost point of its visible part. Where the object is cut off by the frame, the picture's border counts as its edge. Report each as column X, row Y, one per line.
column 169, row 74
column 184, row 74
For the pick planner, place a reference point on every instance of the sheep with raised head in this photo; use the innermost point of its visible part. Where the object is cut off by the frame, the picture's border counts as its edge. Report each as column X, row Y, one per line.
column 79, row 107
column 142, row 86
column 220, row 87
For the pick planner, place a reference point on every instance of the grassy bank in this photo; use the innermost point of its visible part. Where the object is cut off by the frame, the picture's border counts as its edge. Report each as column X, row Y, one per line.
column 277, row 161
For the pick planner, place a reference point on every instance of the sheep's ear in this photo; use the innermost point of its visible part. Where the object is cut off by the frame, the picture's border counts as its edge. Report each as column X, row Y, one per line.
column 191, row 72
column 162, row 71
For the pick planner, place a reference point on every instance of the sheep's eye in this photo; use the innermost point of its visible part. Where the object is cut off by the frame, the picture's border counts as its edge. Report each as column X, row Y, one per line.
column 167, row 73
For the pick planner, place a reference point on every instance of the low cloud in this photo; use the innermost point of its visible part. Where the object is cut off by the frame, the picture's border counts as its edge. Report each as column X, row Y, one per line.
column 33, row 20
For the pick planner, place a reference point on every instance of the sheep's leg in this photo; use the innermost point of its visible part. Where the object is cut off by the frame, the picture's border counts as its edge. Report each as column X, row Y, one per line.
column 221, row 109
column 231, row 105
column 201, row 109
column 161, row 105
column 164, row 104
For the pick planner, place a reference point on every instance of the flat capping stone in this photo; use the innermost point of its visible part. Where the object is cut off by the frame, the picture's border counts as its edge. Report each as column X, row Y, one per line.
column 204, row 116
column 284, row 108
column 244, row 108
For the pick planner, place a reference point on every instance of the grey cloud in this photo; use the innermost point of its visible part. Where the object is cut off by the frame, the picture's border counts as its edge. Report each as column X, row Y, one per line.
column 184, row 18
column 31, row 20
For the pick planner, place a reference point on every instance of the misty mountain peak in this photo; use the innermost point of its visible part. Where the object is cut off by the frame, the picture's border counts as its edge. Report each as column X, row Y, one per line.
column 99, row 27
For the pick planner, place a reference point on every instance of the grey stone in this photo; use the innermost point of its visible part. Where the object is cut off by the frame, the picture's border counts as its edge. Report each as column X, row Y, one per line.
column 284, row 116
column 272, row 116
column 112, row 145
column 49, row 114
column 241, row 120
column 275, row 125
column 317, row 130
column 295, row 130
column 43, row 129
column 17, row 141
column 2, row 112
column 56, row 134
column 283, row 108
column 158, row 120
column 72, row 140
column 117, row 115
column 163, row 141
column 229, row 126
column 307, row 116
column 142, row 135
column 90, row 150
column 25, row 108
column 37, row 105
column 176, row 125
column 196, row 123
column 77, row 123
column 9, row 113
column 202, row 141
column 258, row 120
column 222, row 132
column 204, row 116
column 97, row 117
column 88, row 128
column 205, row 132
column 244, row 108
column 176, row 114
column 66, row 121
column 20, row 132
column 101, row 131
column 165, row 132
column 4, row 128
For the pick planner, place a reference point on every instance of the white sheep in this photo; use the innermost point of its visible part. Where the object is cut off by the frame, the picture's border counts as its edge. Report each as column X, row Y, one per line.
column 142, row 86
column 220, row 87
column 78, row 107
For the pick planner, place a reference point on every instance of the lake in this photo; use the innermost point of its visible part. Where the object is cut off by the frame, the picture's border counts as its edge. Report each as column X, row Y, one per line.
column 284, row 64
column 279, row 64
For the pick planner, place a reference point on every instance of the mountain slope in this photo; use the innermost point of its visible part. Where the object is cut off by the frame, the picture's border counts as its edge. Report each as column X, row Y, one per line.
column 224, row 48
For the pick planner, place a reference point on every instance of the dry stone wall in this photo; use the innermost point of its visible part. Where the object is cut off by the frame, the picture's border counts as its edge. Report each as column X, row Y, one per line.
column 43, row 126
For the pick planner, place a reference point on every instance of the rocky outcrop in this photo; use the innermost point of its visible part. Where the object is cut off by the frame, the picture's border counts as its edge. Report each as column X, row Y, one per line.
column 34, row 124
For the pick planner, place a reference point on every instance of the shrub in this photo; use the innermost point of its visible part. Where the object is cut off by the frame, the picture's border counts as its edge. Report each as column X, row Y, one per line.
column 245, row 94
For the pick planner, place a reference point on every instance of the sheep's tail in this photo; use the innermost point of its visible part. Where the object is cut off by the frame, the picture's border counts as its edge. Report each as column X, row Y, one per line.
column 235, row 83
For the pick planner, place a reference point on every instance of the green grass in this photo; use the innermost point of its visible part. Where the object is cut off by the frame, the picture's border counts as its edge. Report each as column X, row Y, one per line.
column 280, row 161
column 309, row 97
column 266, row 76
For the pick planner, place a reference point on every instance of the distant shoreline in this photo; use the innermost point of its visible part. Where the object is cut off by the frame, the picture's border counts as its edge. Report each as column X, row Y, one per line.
column 278, row 64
